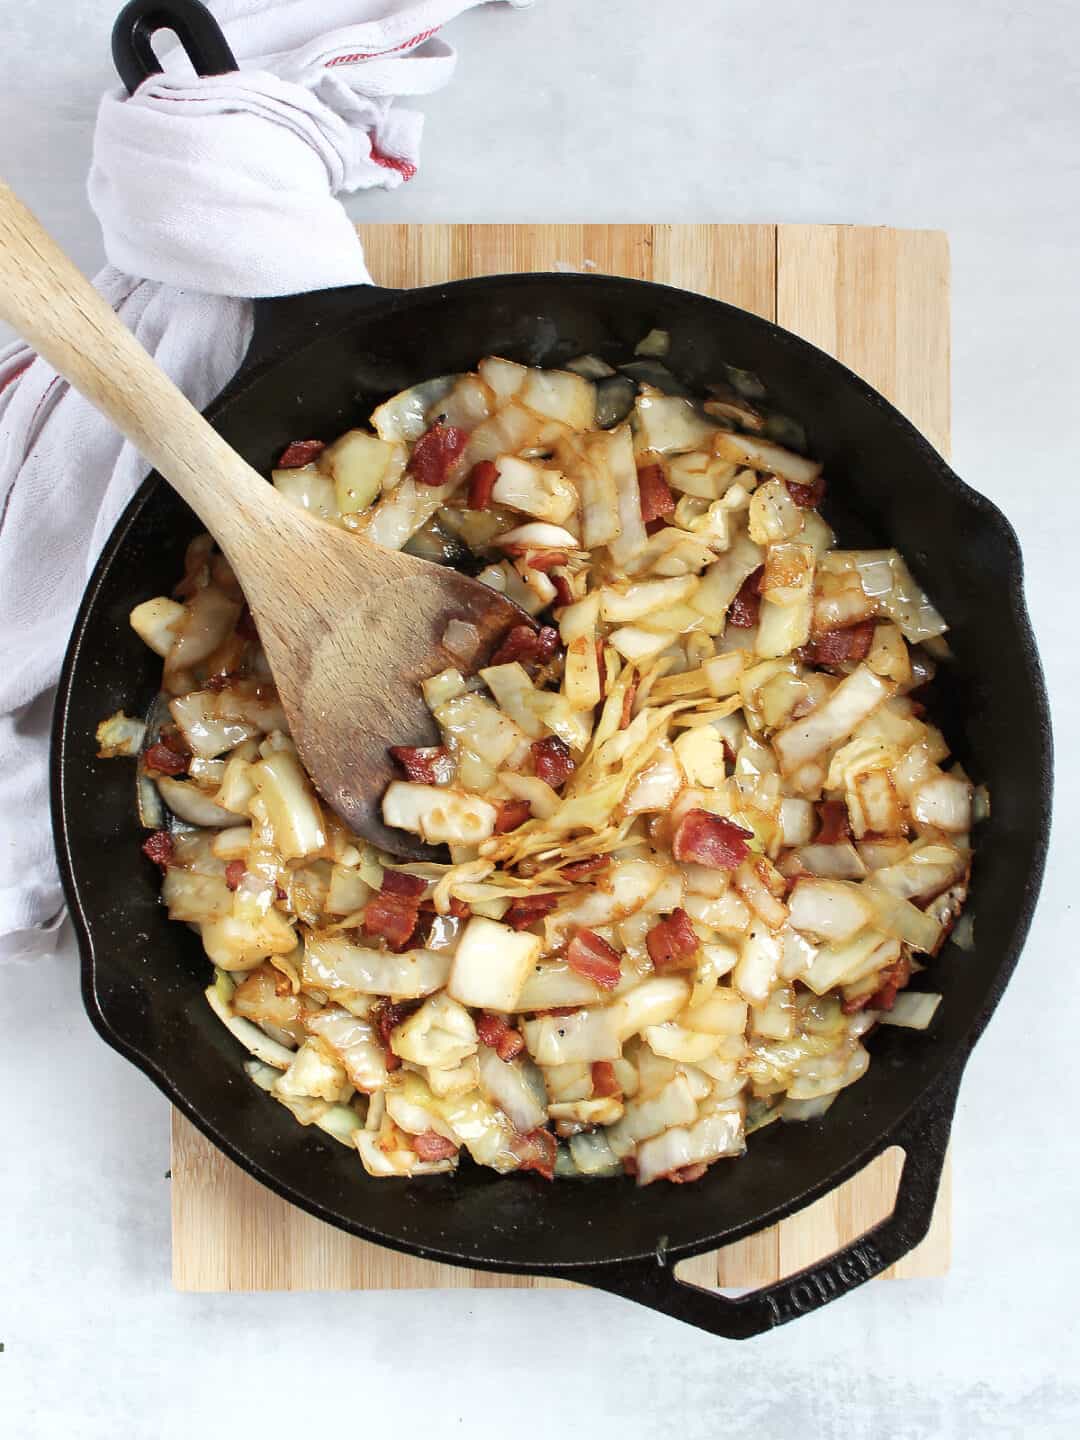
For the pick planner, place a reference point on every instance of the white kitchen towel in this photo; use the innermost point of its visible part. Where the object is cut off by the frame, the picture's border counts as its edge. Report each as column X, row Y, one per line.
column 210, row 192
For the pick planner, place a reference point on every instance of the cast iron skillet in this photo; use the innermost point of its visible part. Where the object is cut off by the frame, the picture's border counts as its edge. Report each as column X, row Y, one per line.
column 316, row 365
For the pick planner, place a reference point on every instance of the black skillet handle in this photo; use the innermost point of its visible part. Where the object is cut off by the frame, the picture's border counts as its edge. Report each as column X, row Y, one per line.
column 924, row 1137
column 193, row 25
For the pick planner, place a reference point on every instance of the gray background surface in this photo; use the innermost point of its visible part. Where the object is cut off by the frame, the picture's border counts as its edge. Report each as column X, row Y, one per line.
column 959, row 114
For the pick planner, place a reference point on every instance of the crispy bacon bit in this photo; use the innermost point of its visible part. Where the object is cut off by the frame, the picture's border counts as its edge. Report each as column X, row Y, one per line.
column 656, row 497
column 672, row 943
column 459, row 909
column 166, row 761
column 511, row 814
column 523, row 643
column 894, row 979
column 629, row 1164
column 394, row 913
column 547, row 640
column 436, row 452
column 563, row 593
column 590, row 865
column 158, row 847
column 835, row 828
column 520, row 914
column 401, row 882
column 711, row 840
column 744, row 609
column 546, row 560
column 807, row 497
column 300, row 452
column 391, row 918
column 835, row 647
column 490, row 1029
column 590, row 955
column 629, row 696
column 429, row 764
column 433, row 1146
column 511, row 1045
column 536, row 1151
column 482, row 479
column 386, row 1015
column 687, row 1174
column 553, row 761
column 604, row 1079
column 235, row 871
column 496, row 1031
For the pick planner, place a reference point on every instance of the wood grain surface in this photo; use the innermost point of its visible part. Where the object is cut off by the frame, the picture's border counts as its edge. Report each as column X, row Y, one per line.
column 876, row 298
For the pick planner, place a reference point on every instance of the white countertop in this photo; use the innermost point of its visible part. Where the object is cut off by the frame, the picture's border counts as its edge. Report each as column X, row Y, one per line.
column 961, row 116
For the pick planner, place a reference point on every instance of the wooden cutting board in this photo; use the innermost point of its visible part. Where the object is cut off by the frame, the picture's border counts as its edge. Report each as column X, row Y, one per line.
column 877, row 299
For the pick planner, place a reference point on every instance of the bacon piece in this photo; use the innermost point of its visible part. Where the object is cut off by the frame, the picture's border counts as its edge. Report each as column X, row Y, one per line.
column 496, row 1031
column 672, row 943
column 590, row 865
column 711, row 840
column 835, row 828
column 401, row 882
column 511, row 814
column 235, row 871
column 523, row 643
column 435, row 453
column 300, row 452
column 590, row 955
column 895, row 979
column 553, row 761
column 807, row 497
column 629, row 696
column 629, row 1164
column 520, row 914
column 511, row 1045
column 430, row 764
column 835, row 647
column 490, row 1029
column 459, row 909
column 545, row 560
column 656, row 497
column 604, row 1080
column 536, row 1151
column 391, row 918
column 482, row 479
column 745, row 608
column 386, row 1015
column 563, row 593
column 394, row 913
column 687, row 1174
column 158, row 847
column 433, row 1146
column 165, row 760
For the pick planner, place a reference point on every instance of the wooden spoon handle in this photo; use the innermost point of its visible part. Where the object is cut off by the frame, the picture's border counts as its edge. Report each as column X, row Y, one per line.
column 55, row 308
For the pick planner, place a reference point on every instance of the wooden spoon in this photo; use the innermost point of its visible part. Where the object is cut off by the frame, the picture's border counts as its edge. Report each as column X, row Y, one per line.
column 349, row 628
